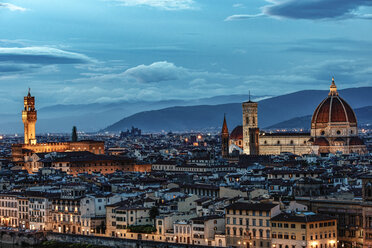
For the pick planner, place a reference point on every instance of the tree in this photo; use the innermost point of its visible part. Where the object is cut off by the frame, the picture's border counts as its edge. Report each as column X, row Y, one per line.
column 74, row 136
column 154, row 211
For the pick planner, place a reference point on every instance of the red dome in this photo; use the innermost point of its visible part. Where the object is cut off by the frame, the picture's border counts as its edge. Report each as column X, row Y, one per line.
column 321, row 142
column 334, row 109
column 355, row 141
column 237, row 133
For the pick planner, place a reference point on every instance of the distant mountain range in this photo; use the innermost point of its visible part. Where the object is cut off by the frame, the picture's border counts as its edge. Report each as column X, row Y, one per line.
column 209, row 117
column 364, row 116
column 95, row 116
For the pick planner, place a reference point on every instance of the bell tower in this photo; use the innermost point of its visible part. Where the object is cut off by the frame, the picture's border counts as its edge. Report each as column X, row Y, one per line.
column 250, row 128
column 224, row 139
column 29, row 117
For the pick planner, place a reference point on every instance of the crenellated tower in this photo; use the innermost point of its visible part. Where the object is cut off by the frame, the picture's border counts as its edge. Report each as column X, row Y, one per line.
column 250, row 128
column 224, row 139
column 29, row 117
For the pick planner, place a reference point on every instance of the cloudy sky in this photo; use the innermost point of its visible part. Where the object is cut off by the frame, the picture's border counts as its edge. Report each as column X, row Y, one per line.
column 73, row 52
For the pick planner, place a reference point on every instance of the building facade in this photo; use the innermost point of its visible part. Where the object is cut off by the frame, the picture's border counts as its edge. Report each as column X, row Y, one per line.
column 334, row 129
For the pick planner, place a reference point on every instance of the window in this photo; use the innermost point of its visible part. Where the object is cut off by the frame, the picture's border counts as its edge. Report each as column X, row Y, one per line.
column 286, row 225
column 273, row 224
column 303, row 226
column 293, row 225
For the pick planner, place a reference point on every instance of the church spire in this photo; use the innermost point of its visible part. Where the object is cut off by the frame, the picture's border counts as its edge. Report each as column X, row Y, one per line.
column 224, row 125
column 333, row 88
column 29, row 92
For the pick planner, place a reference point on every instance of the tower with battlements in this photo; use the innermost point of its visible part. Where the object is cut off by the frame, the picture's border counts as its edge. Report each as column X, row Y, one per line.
column 29, row 117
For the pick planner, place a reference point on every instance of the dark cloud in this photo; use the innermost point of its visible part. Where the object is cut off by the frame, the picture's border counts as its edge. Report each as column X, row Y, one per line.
column 316, row 9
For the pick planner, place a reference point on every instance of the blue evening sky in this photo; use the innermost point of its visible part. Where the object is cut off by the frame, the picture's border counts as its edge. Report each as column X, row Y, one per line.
column 84, row 51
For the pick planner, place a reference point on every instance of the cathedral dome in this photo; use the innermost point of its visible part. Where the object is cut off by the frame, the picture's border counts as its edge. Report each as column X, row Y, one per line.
column 237, row 133
column 333, row 109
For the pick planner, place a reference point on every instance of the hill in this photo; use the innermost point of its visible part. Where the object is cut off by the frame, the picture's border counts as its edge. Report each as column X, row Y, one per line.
column 206, row 117
column 364, row 116
column 95, row 116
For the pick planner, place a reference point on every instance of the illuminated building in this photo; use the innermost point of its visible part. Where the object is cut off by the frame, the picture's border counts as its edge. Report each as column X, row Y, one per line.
column 248, row 224
column 30, row 146
column 334, row 129
column 303, row 230
column 29, row 117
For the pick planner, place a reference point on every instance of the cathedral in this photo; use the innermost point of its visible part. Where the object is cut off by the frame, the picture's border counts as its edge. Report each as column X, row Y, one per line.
column 334, row 129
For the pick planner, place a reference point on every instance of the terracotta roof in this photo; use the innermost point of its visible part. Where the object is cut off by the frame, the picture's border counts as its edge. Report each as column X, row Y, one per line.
column 224, row 126
column 305, row 218
column 237, row 133
column 251, row 206
column 333, row 109
column 355, row 141
column 321, row 142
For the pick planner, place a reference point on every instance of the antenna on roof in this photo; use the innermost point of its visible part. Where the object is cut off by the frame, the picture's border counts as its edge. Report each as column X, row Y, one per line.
column 249, row 95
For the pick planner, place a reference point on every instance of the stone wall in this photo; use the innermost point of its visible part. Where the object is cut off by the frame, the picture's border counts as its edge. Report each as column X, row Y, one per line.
column 113, row 242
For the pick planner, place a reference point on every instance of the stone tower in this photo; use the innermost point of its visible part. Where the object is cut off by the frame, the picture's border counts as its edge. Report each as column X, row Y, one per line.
column 29, row 117
column 250, row 128
column 224, row 139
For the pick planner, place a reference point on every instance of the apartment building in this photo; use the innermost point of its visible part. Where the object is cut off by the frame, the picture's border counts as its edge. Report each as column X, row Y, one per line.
column 303, row 230
column 248, row 224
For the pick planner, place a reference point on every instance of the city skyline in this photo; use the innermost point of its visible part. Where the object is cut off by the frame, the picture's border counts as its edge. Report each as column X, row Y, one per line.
column 106, row 51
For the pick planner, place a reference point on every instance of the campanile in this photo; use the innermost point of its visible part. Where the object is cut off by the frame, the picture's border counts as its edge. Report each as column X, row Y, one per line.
column 29, row 117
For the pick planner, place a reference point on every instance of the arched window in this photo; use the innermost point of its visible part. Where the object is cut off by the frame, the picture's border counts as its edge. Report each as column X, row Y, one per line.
column 291, row 142
column 278, row 142
column 219, row 242
column 261, row 233
column 338, row 132
column 322, row 132
column 265, row 142
column 246, row 120
column 267, row 233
